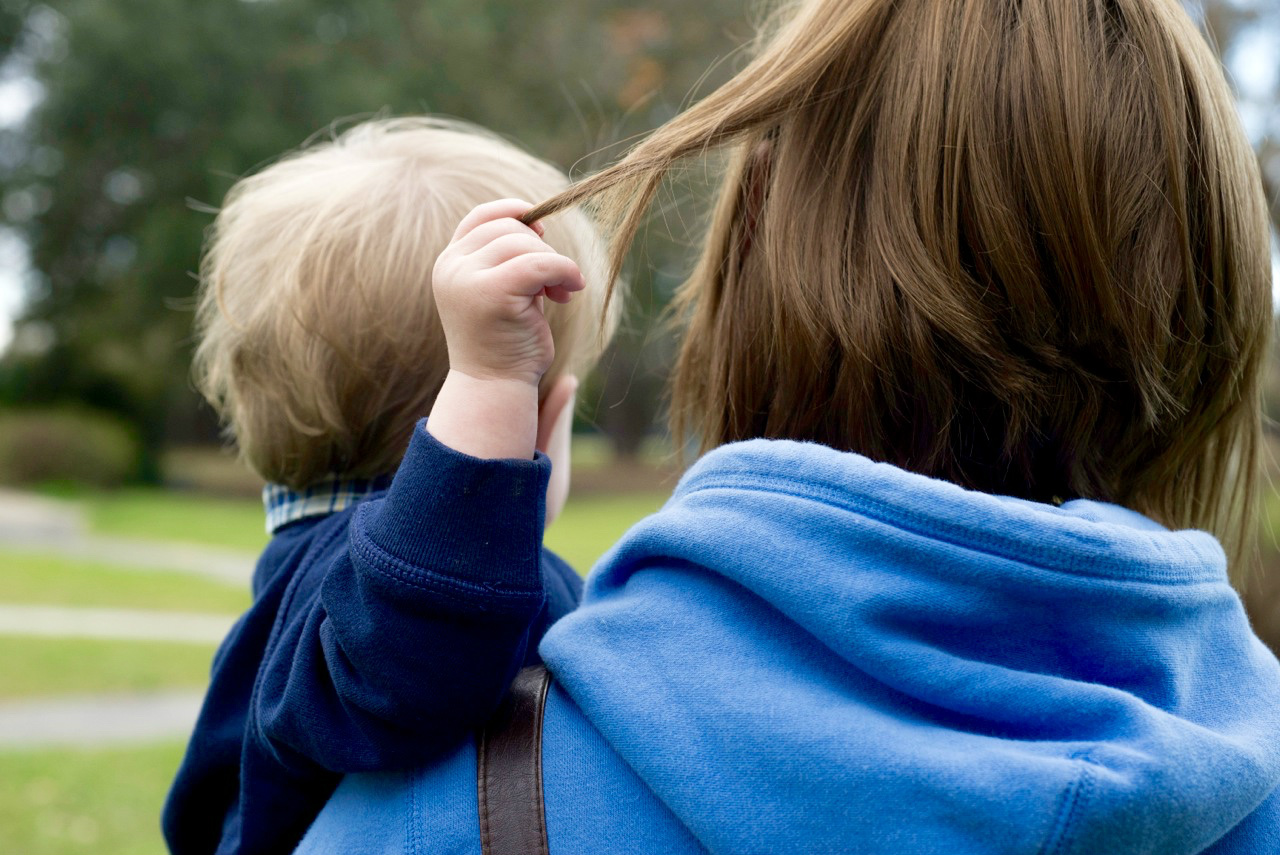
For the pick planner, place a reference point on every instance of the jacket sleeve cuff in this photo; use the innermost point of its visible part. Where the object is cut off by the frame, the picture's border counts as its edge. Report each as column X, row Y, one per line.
column 472, row 521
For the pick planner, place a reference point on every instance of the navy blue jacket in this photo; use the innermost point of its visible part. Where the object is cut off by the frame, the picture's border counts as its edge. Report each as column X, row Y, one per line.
column 378, row 637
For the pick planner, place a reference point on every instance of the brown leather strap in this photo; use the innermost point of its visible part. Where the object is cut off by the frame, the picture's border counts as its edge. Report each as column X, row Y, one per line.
column 509, row 770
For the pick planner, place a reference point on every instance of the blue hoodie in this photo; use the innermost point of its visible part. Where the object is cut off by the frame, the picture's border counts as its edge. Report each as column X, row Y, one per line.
column 805, row 651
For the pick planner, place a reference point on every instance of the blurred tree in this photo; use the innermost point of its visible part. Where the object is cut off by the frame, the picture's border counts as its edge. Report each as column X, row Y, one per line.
column 11, row 17
column 149, row 105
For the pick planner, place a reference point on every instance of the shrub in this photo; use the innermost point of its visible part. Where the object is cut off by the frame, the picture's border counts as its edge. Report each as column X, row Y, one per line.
column 66, row 445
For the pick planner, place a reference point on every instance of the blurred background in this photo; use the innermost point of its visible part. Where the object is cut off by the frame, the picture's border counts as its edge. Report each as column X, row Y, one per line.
column 126, row 532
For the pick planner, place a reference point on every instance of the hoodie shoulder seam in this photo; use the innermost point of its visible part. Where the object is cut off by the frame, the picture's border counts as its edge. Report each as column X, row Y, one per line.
column 905, row 520
column 1074, row 798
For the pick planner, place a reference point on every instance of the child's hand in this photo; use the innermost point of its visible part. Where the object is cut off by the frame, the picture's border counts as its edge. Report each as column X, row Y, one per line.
column 489, row 284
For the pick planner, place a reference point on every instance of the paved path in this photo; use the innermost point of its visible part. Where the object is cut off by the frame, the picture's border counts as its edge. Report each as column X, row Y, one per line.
column 34, row 524
column 104, row 720
column 26, row 516
column 113, row 624
column 92, row 721
column 38, row 525
column 233, row 568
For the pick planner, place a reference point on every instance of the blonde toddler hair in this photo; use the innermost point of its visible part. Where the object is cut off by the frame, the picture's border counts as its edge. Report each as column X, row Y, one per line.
column 319, row 344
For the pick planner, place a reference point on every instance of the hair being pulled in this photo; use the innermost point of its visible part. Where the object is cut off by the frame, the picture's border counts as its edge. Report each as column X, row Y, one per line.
column 1020, row 246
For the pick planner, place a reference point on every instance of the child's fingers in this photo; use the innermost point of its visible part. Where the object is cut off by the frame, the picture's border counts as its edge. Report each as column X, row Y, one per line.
column 486, row 233
column 489, row 211
column 560, row 294
column 534, row 273
column 506, row 247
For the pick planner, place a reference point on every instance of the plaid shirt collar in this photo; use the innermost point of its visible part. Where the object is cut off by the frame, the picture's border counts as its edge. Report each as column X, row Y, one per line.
column 285, row 505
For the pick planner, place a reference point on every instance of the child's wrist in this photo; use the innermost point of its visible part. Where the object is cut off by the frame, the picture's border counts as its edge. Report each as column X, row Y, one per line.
column 498, row 378
column 486, row 417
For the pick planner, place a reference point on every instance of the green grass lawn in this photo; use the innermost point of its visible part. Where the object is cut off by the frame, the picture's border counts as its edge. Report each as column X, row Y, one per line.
column 57, row 581
column 157, row 514
column 92, row 802
column 107, row 802
column 589, row 526
column 47, row 667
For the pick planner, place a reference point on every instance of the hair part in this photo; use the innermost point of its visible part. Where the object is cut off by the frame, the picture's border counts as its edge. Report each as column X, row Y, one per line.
column 1020, row 246
column 319, row 343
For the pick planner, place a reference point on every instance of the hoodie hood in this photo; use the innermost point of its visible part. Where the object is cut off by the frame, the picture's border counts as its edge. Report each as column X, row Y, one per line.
column 808, row 651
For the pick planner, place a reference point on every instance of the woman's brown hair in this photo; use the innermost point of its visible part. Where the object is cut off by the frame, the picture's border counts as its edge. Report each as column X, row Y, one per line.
column 1020, row 245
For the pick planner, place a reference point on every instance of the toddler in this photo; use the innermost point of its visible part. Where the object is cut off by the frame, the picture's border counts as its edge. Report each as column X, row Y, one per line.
column 378, row 634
